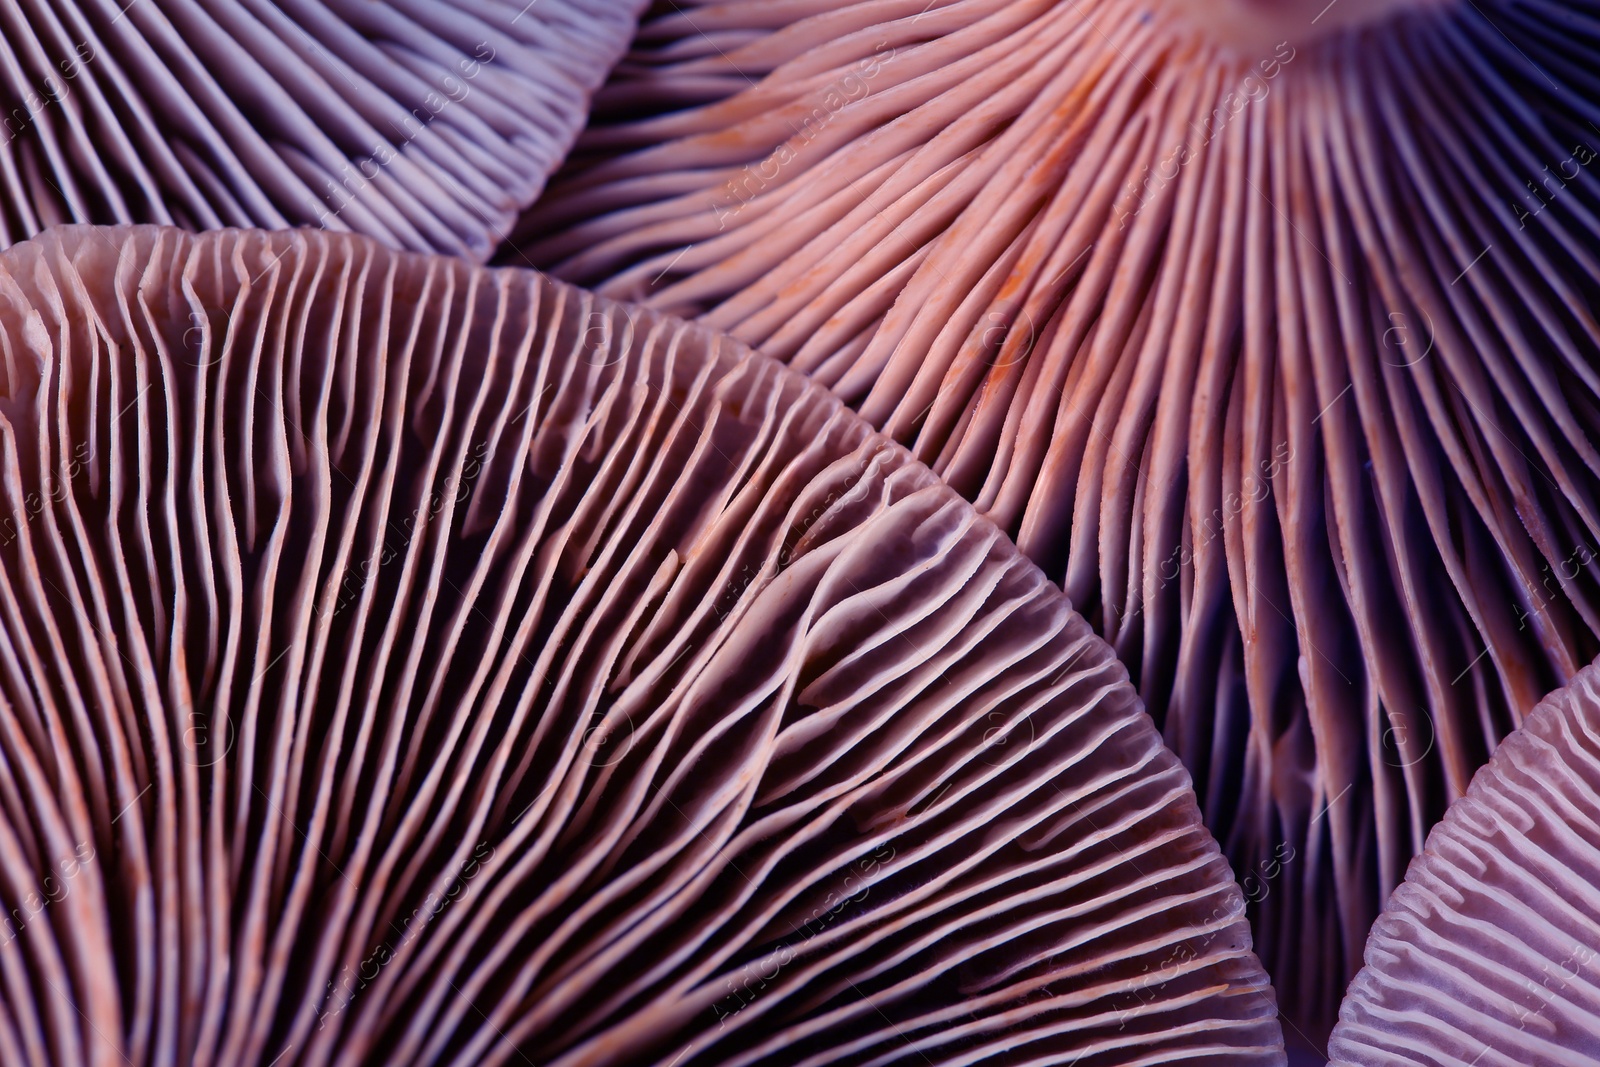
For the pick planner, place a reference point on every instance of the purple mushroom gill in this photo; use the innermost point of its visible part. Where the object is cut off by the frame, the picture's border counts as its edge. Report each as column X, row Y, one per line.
column 427, row 124
column 1487, row 954
column 1267, row 329
column 406, row 662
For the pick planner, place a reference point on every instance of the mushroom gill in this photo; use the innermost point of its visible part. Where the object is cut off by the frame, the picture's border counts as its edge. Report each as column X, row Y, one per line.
column 1266, row 329
column 428, row 124
column 404, row 662
column 1486, row 954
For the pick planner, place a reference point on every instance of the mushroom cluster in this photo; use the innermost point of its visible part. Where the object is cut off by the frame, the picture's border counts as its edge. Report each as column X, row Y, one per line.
column 427, row 124
column 409, row 662
column 1268, row 330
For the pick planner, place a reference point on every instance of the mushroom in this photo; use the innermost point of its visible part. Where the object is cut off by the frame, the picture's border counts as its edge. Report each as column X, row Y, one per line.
column 407, row 662
column 1487, row 953
column 1268, row 330
column 425, row 124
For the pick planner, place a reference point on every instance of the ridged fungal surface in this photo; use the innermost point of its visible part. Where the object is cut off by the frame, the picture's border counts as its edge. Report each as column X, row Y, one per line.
column 428, row 124
column 1488, row 954
column 403, row 662
column 1267, row 329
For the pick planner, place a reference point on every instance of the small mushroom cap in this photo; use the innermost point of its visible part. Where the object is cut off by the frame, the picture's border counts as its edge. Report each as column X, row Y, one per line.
column 1488, row 954
column 1280, row 356
column 404, row 662
column 428, row 124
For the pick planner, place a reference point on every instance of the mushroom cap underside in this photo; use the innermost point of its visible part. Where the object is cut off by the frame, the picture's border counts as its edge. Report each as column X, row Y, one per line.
column 1486, row 954
column 1282, row 358
column 409, row 662
column 428, row 124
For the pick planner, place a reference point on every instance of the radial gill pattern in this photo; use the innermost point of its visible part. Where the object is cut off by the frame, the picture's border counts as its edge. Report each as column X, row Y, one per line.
column 428, row 124
column 404, row 662
column 1278, row 351
column 1487, row 954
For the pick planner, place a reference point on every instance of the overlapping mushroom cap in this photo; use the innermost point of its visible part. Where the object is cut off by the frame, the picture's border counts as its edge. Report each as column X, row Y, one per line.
column 407, row 662
column 1488, row 953
column 1268, row 330
column 428, row 124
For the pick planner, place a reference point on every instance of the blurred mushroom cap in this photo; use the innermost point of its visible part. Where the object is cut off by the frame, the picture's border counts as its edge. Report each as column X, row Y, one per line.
column 405, row 662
